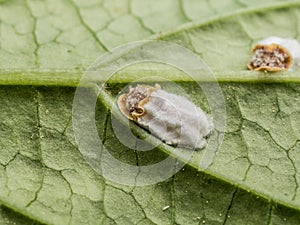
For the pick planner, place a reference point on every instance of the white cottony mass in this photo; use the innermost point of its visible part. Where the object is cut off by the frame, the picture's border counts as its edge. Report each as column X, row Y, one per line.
column 170, row 117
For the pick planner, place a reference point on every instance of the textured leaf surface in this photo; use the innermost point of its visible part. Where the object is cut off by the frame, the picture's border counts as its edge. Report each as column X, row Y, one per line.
column 44, row 177
column 261, row 142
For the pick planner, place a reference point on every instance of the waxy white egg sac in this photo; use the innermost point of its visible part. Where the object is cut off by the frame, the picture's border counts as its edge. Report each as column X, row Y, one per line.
column 172, row 118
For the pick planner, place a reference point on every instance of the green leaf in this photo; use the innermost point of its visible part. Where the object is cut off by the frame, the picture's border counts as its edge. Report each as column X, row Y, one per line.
column 7, row 216
column 44, row 178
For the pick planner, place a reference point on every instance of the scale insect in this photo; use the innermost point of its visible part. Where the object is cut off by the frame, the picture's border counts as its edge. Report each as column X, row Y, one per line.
column 170, row 117
column 275, row 54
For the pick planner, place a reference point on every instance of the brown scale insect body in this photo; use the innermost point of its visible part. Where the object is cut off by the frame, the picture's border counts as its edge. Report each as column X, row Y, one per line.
column 275, row 54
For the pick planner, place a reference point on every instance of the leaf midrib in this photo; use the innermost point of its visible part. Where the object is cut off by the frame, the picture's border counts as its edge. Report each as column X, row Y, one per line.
column 71, row 77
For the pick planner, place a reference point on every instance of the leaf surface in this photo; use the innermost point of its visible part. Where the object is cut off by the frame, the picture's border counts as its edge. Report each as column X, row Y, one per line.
column 43, row 175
